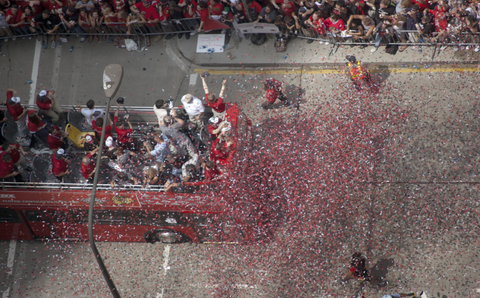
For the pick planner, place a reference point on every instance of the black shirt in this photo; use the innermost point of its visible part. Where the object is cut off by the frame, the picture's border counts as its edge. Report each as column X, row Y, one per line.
column 49, row 22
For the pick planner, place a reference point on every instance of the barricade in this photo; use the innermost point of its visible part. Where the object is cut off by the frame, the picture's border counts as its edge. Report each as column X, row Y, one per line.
column 23, row 31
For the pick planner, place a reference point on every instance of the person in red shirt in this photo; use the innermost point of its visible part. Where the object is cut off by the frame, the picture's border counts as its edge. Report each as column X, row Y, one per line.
column 220, row 151
column 36, row 125
column 97, row 126
column 18, row 113
column 15, row 20
column 204, row 13
column 189, row 12
column 215, row 126
column 316, row 22
column 56, row 137
column 17, row 153
column 150, row 14
column 217, row 104
column 215, row 8
column 288, row 7
column 210, row 170
column 60, row 164
column 90, row 143
column 123, row 134
column 255, row 5
column 334, row 24
column 8, row 171
column 88, row 166
column 273, row 90
column 47, row 103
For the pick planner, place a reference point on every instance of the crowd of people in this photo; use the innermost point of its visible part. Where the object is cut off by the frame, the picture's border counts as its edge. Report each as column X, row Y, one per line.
column 168, row 155
column 367, row 22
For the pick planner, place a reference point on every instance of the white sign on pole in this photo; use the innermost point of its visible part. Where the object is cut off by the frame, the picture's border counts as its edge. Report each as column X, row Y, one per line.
column 210, row 43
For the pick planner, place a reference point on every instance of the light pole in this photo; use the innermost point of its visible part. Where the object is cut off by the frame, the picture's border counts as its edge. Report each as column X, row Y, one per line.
column 112, row 78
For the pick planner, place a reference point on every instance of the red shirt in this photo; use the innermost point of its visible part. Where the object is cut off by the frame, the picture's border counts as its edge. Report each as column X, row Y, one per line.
column 217, row 13
column 211, row 128
column 339, row 24
column 123, row 135
column 59, row 165
column 203, row 14
column 33, row 128
column 88, row 169
column 218, row 105
column 185, row 9
column 254, row 4
column 422, row 6
column 215, row 154
column 6, row 168
column 288, row 10
column 108, row 130
column 44, row 105
column 149, row 13
column 15, row 110
column 17, row 18
column 274, row 92
column 212, row 173
column 55, row 141
column 318, row 22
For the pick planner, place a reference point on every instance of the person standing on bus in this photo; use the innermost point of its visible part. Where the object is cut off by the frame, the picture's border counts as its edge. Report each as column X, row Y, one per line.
column 90, row 113
column 18, row 113
column 217, row 104
column 50, row 107
column 123, row 134
column 171, row 128
column 17, row 153
column 8, row 170
column 161, row 150
column 56, row 138
column 88, row 166
column 60, row 165
column 194, row 108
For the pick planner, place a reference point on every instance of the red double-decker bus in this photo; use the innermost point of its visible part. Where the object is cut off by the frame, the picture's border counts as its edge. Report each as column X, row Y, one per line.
column 45, row 210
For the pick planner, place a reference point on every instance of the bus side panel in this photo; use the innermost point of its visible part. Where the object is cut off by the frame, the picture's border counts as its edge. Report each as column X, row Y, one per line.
column 12, row 227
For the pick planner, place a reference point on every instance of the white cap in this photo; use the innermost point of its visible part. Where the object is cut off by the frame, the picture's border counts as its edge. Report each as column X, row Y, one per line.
column 61, row 151
column 88, row 138
column 43, row 93
column 109, row 142
column 213, row 120
column 225, row 12
column 15, row 99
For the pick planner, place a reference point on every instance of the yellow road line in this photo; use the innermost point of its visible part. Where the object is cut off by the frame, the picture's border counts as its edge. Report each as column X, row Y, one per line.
column 294, row 71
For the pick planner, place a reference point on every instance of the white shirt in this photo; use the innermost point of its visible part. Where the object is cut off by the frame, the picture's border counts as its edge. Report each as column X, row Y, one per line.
column 161, row 113
column 93, row 113
column 192, row 161
column 194, row 108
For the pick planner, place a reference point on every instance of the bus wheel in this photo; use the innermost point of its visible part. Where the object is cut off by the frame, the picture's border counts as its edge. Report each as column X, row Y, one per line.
column 169, row 236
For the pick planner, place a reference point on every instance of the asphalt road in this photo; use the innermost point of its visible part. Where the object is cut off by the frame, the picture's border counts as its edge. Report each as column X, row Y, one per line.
column 419, row 248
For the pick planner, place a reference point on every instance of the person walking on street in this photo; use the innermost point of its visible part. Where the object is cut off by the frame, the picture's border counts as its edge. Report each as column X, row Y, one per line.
column 358, row 73
column 274, row 91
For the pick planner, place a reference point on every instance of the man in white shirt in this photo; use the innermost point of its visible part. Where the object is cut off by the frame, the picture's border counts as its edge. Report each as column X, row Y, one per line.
column 92, row 114
column 160, row 111
column 194, row 108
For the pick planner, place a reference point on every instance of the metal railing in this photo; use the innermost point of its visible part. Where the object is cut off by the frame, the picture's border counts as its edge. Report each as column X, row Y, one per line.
column 78, row 186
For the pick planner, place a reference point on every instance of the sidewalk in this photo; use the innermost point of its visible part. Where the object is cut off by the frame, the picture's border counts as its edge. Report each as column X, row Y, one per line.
column 299, row 52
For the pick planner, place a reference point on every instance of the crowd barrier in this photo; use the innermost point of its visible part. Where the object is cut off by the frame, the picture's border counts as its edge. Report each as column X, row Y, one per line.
column 138, row 30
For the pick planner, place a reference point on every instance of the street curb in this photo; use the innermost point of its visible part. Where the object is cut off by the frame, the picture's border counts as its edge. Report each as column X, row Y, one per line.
column 173, row 49
column 174, row 53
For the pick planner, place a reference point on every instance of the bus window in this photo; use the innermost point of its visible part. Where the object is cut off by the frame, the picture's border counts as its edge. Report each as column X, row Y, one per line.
column 8, row 215
column 39, row 222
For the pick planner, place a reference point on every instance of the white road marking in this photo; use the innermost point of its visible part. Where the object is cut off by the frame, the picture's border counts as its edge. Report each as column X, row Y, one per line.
column 35, row 66
column 18, row 275
column 193, row 79
column 477, row 290
column 56, row 66
column 11, row 256
column 166, row 258
column 160, row 295
column 6, row 293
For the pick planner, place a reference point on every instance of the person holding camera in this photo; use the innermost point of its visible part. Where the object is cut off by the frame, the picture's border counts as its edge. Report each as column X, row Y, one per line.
column 69, row 16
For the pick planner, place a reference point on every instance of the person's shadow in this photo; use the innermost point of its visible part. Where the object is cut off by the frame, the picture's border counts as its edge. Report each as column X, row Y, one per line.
column 379, row 271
